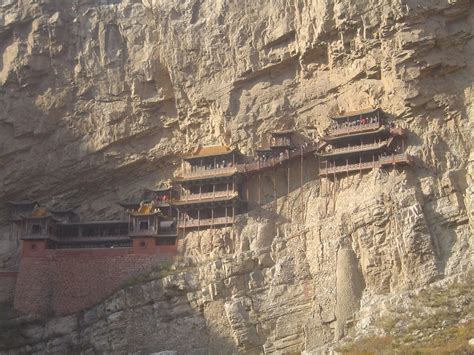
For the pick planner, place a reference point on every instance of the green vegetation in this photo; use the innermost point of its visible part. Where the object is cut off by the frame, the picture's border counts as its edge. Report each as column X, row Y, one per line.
column 437, row 321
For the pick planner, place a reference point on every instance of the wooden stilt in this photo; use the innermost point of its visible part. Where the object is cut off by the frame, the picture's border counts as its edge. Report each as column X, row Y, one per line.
column 185, row 214
column 274, row 190
column 212, row 218
column 302, row 183
column 288, row 189
column 199, row 218
column 259, row 192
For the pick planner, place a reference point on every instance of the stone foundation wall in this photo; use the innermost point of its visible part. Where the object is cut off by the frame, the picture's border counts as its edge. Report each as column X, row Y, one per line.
column 67, row 281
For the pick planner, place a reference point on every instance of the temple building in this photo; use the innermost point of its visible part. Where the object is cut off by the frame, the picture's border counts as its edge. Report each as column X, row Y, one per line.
column 161, row 198
column 209, row 183
column 359, row 141
column 39, row 229
column 146, row 229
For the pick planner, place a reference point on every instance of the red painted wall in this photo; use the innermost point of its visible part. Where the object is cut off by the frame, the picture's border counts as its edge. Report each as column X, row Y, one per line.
column 33, row 248
column 7, row 285
column 65, row 281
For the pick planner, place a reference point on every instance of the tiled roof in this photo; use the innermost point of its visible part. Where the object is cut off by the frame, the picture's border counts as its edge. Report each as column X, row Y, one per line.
column 145, row 208
column 39, row 212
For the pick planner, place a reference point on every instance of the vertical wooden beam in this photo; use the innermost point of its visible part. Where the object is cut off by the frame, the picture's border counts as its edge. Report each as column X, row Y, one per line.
column 259, row 195
column 274, row 190
column 302, row 182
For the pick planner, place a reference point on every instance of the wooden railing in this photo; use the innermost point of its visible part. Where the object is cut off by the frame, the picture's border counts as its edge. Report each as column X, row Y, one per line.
column 348, row 167
column 191, row 223
column 207, row 172
column 274, row 161
column 402, row 158
column 208, row 195
column 353, row 129
column 396, row 159
column 354, row 148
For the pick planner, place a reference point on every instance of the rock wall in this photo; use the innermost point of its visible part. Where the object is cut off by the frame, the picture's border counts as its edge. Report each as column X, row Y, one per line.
column 100, row 97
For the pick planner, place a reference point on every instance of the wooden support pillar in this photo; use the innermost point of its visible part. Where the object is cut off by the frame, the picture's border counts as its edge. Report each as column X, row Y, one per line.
column 200, row 191
column 213, row 190
column 226, row 214
column 259, row 195
column 212, row 217
column 185, row 214
column 302, row 180
column 274, row 190
column 227, row 189
column 199, row 218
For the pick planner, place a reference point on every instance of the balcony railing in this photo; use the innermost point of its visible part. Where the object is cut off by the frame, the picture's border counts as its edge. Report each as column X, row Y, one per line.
column 393, row 159
column 354, row 148
column 274, row 161
column 207, row 172
column 348, row 167
column 208, row 195
column 396, row 159
column 191, row 223
column 353, row 129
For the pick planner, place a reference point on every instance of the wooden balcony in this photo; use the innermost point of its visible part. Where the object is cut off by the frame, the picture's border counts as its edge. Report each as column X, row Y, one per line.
column 335, row 170
column 206, row 222
column 353, row 129
column 394, row 159
column 208, row 196
column 275, row 161
column 402, row 158
column 207, row 173
column 353, row 149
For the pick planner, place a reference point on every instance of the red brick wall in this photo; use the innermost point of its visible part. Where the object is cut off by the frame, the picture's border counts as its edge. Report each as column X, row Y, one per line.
column 7, row 286
column 33, row 248
column 67, row 281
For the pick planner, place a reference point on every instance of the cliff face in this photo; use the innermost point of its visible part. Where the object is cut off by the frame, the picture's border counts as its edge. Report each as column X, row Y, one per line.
column 100, row 96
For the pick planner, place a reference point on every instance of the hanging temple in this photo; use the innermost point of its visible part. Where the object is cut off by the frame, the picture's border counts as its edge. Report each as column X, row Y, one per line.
column 208, row 190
